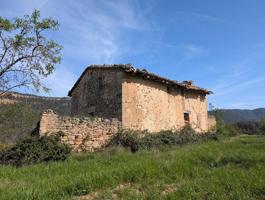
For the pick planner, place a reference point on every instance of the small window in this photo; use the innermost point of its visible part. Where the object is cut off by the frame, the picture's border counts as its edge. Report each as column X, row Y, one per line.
column 168, row 89
column 182, row 92
column 91, row 114
column 187, row 117
column 91, row 111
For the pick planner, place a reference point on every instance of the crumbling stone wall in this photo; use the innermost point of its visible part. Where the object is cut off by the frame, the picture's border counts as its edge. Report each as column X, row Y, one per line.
column 139, row 103
column 147, row 105
column 196, row 105
column 89, row 134
column 212, row 123
column 98, row 94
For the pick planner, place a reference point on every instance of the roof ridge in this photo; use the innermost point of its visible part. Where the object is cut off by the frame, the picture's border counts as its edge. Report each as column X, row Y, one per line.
column 129, row 68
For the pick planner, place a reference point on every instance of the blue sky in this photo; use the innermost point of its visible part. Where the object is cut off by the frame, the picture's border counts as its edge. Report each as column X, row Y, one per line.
column 220, row 44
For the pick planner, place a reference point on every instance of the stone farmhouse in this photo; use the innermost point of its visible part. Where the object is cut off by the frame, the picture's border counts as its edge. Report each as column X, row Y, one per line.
column 122, row 97
column 139, row 99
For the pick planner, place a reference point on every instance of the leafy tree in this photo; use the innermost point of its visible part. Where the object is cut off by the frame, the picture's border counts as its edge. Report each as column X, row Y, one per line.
column 26, row 55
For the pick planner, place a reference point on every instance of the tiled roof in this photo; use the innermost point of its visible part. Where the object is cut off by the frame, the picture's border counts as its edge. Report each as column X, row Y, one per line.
column 128, row 68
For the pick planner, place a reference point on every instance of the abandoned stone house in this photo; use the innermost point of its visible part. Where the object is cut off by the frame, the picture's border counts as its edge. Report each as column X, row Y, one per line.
column 139, row 99
column 121, row 96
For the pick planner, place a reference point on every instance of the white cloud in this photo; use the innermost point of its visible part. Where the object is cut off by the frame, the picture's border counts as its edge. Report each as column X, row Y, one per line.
column 192, row 51
column 202, row 16
column 94, row 27
column 228, row 89
column 235, row 76
column 90, row 31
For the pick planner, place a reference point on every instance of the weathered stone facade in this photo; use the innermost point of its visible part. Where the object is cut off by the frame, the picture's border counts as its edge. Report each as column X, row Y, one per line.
column 98, row 94
column 109, row 98
column 85, row 133
column 151, row 106
column 212, row 123
column 140, row 100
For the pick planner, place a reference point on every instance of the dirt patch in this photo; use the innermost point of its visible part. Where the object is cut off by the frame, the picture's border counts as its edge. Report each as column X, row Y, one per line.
column 169, row 189
column 115, row 192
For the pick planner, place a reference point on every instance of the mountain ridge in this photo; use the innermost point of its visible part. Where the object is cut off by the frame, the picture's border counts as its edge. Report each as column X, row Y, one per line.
column 239, row 115
column 62, row 106
column 38, row 103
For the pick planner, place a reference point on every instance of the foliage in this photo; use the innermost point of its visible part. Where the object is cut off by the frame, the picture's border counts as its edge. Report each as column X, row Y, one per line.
column 140, row 140
column 16, row 121
column 26, row 55
column 222, row 128
column 35, row 150
column 233, row 168
column 239, row 127
column 225, row 129
column 250, row 128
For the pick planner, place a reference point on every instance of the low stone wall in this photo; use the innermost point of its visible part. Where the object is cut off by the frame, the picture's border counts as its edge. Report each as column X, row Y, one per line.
column 88, row 134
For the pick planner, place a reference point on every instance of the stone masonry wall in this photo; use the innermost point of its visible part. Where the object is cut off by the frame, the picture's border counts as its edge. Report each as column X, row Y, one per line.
column 89, row 134
column 98, row 94
column 212, row 123
column 151, row 106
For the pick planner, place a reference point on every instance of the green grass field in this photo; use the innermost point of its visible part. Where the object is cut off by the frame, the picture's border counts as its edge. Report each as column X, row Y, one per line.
column 233, row 168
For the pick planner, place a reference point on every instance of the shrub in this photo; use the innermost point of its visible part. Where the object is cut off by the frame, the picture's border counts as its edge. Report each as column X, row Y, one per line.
column 145, row 141
column 250, row 127
column 35, row 150
column 225, row 129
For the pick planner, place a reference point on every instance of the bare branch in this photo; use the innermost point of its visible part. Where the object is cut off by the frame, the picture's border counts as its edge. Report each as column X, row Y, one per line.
column 15, row 86
column 12, row 64
column 5, row 47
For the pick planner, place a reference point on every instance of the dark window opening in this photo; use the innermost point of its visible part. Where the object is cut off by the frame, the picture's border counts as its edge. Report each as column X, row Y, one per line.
column 168, row 89
column 186, row 117
column 91, row 114
column 182, row 92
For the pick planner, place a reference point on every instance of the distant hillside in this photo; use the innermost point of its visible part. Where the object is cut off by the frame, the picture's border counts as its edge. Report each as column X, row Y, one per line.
column 236, row 115
column 59, row 104
column 19, row 113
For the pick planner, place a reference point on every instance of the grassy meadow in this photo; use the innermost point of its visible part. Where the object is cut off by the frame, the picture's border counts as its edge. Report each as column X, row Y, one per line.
column 231, row 168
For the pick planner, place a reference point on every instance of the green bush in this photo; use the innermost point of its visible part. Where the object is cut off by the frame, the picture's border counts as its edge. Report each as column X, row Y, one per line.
column 35, row 150
column 225, row 129
column 251, row 127
column 145, row 141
